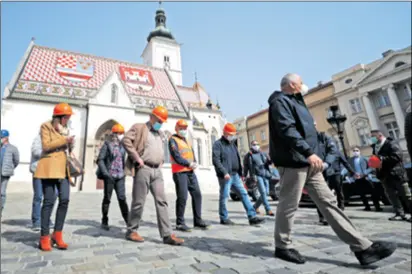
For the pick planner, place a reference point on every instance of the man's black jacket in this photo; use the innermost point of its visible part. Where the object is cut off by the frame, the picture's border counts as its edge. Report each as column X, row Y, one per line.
column 221, row 157
column 408, row 132
column 292, row 134
column 330, row 154
column 392, row 164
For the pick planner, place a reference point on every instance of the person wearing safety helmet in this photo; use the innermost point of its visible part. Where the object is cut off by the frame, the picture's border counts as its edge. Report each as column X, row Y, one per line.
column 52, row 169
column 144, row 144
column 387, row 159
column 111, row 162
column 228, row 167
column 184, row 163
column 9, row 160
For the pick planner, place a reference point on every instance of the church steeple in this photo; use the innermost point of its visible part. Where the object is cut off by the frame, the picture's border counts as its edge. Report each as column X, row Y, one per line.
column 160, row 30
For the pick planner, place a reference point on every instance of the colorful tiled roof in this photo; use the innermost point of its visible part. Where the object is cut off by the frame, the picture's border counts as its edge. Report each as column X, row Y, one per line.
column 42, row 67
column 64, row 74
column 194, row 96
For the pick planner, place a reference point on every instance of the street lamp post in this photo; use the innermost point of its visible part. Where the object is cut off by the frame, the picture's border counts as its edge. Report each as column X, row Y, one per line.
column 337, row 120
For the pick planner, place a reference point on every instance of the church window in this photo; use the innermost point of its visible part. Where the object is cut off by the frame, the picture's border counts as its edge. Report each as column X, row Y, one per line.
column 166, row 61
column 113, row 98
column 398, row 64
column 199, row 152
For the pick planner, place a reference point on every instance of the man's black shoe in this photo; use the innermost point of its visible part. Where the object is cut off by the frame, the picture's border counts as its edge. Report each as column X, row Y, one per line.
column 226, row 222
column 183, row 228
column 379, row 209
column 376, row 252
column 367, row 209
column 256, row 221
column 290, row 255
column 323, row 222
column 105, row 226
column 398, row 217
column 202, row 225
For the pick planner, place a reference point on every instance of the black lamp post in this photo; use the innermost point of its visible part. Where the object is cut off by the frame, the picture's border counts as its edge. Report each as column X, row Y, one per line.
column 336, row 120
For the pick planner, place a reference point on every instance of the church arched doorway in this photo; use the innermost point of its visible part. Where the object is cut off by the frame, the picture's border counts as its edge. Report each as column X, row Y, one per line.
column 102, row 134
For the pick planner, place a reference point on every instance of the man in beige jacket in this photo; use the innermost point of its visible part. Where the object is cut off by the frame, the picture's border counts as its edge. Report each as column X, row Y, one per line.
column 144, row 145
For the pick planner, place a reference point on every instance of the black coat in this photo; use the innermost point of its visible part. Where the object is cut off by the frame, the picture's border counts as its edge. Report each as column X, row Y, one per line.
column 329, row 153
column 105, row 160
column 292, row 133
column 408, row 132
column 221, row 157
column 392, row 164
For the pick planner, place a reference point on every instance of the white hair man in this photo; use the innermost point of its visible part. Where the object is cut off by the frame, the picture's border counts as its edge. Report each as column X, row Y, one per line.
column 294, row 147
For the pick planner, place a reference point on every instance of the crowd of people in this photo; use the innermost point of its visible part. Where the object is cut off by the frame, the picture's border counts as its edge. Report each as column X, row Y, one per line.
column 304, row 157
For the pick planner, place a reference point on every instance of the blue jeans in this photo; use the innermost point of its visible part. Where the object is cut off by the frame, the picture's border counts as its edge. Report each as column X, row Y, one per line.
column 224, row 195
column 263, row 186
column 37, row 198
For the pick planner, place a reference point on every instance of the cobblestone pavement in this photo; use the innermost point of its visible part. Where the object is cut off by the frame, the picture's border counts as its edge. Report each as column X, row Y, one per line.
column 238, row 249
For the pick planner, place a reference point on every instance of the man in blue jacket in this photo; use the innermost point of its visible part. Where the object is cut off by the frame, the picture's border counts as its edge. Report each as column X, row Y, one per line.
column 9, row 160
column 228, row 167
column 294, row 147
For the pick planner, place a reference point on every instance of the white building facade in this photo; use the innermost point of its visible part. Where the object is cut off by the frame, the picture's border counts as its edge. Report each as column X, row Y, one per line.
column 376, row 96
column 103, row 92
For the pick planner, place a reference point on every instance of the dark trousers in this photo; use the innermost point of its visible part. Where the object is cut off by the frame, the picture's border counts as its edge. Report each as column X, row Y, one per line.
column 184, row 182
column 365, row 187
column 49, row 196
column 399, row 194
column 119, row 187
column 36, row 205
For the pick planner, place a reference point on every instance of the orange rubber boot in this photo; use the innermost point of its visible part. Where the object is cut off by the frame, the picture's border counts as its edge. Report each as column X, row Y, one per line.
column 57, row 239
column 44, row 243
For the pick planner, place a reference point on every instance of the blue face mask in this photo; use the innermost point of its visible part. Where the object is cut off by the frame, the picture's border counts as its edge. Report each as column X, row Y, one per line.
column 374, row 140
column 156, row 126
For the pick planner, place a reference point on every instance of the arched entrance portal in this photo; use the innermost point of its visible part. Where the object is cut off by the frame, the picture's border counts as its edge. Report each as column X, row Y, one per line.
column 101, row 135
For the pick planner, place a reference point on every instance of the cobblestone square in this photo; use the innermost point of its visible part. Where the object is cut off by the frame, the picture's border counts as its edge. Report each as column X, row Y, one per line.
column 238, row 249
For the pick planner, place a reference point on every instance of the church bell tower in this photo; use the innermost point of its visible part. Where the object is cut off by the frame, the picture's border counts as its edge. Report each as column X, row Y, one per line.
column 162, row 50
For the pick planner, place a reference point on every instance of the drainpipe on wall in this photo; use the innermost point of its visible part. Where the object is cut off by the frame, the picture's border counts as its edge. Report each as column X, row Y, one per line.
column 85, row 144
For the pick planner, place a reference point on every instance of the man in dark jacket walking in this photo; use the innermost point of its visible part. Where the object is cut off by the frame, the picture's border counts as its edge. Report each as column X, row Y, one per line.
column 294, row 147
column 392, row 174
column 226, row 160
column 332, row 162
column 256, row 165
column 110, row 163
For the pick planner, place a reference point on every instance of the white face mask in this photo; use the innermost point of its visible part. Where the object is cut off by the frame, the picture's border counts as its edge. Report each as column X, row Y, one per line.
column 182, row 133
column 304, row 89
column 256, row 148
column 231, row 138
column 356, row 153
column 120, row 137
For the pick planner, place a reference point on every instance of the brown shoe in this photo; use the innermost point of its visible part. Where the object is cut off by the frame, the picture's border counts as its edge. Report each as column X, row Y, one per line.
column 270, row 213
column 45, row 243
column 173, row 240
column 134, row 237
column 57, row 240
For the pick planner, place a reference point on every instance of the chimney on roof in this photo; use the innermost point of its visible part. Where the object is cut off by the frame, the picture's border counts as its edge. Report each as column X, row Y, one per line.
column 386, row 53
column 320, row 83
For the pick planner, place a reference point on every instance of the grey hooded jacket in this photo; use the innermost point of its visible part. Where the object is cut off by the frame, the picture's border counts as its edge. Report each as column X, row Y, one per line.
column 36, row 151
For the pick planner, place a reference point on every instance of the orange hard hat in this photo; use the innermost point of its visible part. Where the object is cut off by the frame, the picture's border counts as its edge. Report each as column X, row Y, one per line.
column 161, row 113
column 118, row 128
column 181, row 123
column 229, row 129
column 374, row 162
column 62, row 109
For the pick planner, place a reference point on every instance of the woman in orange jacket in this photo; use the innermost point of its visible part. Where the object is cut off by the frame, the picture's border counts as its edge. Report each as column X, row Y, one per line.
column 52, row 169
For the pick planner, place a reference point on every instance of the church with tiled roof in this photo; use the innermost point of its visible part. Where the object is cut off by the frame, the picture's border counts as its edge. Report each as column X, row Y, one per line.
column 105, row 91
